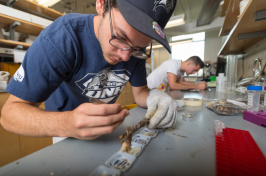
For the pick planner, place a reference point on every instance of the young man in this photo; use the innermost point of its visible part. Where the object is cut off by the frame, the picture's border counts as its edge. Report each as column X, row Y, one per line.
column 82, row 58
column 171, row 73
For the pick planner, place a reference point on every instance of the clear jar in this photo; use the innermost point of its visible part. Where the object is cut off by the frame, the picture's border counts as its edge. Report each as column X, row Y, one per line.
column 254, row 98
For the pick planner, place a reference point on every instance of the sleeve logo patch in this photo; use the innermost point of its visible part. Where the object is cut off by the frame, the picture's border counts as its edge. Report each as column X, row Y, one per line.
column 19, row 75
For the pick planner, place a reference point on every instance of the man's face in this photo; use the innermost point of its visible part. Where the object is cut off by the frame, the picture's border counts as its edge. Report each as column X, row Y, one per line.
column 192, row 69
column 122, row 30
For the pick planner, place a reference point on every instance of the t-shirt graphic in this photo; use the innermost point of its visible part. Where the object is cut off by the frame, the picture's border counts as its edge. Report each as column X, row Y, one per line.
column 105, row 85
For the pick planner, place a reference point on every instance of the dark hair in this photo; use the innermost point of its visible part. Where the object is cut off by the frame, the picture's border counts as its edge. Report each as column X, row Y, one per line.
column 113, row 3
column 196, row 61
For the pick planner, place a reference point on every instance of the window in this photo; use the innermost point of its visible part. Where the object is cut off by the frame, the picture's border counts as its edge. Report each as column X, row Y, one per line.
column 185, row 46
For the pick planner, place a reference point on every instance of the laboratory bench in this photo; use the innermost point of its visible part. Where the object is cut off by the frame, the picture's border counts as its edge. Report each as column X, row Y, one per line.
column 188, row 148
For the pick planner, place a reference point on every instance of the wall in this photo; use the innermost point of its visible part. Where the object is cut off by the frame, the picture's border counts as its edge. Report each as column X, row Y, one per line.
column 212, row 45
column 159, row 56
column 245, row 65
column 126, row 97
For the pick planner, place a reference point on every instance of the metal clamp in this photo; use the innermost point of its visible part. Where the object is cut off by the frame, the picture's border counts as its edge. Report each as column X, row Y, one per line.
column 10, row 3
column 11, row 29
column 256, row 70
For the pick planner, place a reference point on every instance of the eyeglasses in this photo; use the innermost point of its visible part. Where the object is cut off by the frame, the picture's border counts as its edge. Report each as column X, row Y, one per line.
column 116, row 42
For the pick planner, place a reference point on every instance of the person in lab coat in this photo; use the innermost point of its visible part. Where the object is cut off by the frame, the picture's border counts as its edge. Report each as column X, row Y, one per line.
column 171, row 73
column 81, row 59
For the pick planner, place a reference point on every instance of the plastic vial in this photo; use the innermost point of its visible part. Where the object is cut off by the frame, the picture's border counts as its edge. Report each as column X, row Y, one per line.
column 254, row 98
column 264, row 105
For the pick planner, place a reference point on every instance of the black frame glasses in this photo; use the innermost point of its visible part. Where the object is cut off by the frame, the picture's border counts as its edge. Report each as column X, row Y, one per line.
column 120, row 44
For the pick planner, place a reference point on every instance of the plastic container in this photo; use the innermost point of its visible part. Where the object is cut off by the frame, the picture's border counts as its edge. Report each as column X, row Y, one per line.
column 221, row 83
column 141, row 139
column 136, row 148
column 121, row 161
column 212, row 78
column 149, row 132
column 231, row 72
column 264, row 105
column 254, row 98
column 4, row 77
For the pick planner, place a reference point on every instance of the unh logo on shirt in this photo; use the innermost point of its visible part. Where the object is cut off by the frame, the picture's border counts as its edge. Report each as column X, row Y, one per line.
column 19, row 75
column 105, row 85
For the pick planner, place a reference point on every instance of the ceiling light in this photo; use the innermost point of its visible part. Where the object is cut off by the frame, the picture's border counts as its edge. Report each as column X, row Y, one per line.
column 155, row 47
column 176, row 21
column 172, row 43
column 48, row 3
column 180, row 42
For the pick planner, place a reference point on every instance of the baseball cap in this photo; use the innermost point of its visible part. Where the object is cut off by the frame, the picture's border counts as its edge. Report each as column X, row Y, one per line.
column 149, row 17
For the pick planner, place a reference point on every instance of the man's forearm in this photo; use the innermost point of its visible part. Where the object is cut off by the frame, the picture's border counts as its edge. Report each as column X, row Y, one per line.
column 87, row 122
column 28, row 120
column 181, row 86
column 187, row 82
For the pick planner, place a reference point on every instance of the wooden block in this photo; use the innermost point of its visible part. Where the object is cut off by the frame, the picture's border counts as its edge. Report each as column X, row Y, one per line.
column 9, row 147
column 29, row 145
column 10, row 67
column 126, row 97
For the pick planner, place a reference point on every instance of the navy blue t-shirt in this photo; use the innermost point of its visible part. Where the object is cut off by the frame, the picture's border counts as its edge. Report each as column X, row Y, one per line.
column 65, row 67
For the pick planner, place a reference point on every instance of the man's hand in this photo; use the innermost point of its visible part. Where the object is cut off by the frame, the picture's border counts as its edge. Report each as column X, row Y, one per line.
column 161, row 109
column 201, row 85
column 89, row 121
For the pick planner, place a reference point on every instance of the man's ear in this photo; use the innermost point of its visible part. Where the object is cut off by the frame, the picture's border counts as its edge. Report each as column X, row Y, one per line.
column 99, row 7
column 189, row 64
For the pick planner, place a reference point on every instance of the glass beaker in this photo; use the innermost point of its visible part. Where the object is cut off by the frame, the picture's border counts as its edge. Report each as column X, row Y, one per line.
column 231, row 72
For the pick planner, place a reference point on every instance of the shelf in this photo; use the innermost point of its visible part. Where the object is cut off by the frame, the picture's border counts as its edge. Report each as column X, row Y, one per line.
column 224, row 8
column 244, row 25
column 29, row 24
column 230, row 17
column 13, row 44
column 24, row 27
column 36, row 9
